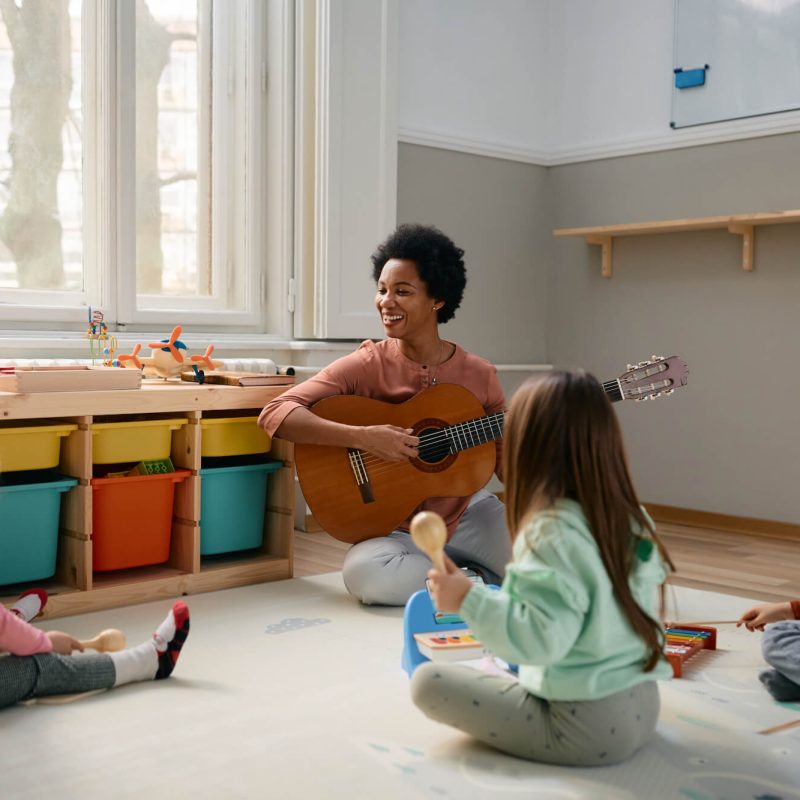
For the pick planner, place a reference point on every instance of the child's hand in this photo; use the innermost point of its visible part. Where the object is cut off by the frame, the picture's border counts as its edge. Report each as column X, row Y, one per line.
column 63, row 643
column 754, row 619
column 449, row 588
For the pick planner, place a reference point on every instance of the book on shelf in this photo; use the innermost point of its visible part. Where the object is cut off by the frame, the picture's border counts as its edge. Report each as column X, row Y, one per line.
column 69, row 378
column 232, row 378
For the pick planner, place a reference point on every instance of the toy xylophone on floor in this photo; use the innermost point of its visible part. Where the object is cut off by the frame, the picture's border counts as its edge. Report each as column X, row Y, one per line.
column 684, row 641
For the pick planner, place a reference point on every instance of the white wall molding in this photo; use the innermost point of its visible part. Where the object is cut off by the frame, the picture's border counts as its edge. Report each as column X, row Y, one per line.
column 479, row 147
column 715, row 133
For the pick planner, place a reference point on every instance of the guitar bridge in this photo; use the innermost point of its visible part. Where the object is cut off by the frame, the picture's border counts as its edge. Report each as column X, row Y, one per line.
column 361, row 476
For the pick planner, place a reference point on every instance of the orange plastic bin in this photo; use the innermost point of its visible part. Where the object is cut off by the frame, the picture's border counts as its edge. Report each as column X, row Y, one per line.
column 132, row 519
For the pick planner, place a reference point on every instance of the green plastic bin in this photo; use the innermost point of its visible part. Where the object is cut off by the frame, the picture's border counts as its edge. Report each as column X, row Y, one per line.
column 232, row 505
column 29, row 515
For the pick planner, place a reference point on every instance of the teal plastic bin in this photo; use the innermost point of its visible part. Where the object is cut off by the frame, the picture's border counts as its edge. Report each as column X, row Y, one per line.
column 29, row 514
column 232, row 505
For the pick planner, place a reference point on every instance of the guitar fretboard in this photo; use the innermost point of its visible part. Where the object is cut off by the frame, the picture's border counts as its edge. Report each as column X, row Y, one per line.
column 435, row 444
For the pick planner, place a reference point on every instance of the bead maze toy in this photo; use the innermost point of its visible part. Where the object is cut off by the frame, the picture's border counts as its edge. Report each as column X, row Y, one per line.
column 101, row 345
column 683, row 642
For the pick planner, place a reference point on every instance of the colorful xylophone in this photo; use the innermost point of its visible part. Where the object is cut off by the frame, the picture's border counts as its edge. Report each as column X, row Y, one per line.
column 682, row 643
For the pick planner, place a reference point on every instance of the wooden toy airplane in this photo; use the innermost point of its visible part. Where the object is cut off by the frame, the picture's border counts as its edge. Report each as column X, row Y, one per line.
column 169, row 356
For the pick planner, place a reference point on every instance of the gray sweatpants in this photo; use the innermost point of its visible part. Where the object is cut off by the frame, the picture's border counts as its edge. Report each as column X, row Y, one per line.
column 781, row 648
column 387, row 570
column 43, row 674
column 503, row 714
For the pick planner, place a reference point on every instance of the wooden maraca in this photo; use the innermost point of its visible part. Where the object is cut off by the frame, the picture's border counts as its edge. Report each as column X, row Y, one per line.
column 429, row 533
column 107, row 641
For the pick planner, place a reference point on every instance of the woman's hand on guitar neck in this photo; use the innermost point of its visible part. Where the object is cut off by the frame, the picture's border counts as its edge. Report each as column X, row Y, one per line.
column 388, row 442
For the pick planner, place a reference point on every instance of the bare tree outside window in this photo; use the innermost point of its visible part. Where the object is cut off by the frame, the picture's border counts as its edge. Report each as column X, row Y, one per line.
column 167, row 148
column 40, row 151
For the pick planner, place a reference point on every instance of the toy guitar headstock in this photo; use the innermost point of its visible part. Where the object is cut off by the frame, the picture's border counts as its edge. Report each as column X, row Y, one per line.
column 651, row 379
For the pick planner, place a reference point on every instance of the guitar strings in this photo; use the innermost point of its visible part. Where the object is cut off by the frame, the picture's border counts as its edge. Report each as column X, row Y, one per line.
column 431, row 441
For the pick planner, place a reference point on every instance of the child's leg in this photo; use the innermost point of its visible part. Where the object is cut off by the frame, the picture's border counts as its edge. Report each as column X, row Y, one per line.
column 154, row 660
column 781, row 648
column 24, row 677
column 30, row 604
column 506, row 716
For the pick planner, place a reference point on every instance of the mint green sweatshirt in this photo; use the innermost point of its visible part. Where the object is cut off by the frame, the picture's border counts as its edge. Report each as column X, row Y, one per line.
column 556, row 615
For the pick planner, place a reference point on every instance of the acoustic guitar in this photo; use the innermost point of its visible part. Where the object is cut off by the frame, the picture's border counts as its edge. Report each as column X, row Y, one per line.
column 355, row 495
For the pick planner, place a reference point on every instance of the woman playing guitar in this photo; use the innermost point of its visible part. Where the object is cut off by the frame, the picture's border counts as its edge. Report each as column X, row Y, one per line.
column 420, row 279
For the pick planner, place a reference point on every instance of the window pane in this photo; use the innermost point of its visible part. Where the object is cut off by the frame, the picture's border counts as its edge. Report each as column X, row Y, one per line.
column 168, row 243
column 41, row 205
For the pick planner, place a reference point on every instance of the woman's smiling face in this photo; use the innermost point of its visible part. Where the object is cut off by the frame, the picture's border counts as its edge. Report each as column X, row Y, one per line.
column 403, row 301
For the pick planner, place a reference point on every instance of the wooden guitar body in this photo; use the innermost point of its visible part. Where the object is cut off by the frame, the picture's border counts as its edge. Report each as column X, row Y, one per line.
column 356, row 496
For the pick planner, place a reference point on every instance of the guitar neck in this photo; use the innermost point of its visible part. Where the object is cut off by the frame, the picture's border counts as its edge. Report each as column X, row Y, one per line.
column 481, row 430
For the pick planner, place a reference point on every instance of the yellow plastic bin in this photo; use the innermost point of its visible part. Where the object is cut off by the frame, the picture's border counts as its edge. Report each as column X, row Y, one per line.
column 32, row 446
column 138, row 440
column 233, row 436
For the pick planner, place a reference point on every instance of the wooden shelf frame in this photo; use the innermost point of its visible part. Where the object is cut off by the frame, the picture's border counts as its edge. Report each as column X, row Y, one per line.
column 743, row 225
column 75, row 588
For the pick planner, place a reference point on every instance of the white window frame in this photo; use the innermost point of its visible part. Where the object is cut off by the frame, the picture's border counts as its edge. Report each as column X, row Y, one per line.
column 259, row 240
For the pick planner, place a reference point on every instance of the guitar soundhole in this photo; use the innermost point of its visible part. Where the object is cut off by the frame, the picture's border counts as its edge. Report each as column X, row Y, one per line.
column 434, row 445
column 434, row 448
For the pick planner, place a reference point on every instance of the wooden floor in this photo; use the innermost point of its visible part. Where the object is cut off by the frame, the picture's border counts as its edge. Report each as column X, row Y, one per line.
column 717, row 561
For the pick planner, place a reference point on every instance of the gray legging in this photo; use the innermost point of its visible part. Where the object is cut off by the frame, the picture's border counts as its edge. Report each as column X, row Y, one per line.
column 501, row 713
column 25, row 677
column 781, row 649
column 389, row 569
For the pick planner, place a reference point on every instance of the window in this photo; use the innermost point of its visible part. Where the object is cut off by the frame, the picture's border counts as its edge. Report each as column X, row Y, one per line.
column 134, row 158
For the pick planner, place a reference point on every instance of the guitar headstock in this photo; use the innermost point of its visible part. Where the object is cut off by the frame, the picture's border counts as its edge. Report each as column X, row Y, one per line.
column 651, row 379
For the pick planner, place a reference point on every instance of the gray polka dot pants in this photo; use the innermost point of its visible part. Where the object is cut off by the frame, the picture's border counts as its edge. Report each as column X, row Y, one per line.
column 503, row 714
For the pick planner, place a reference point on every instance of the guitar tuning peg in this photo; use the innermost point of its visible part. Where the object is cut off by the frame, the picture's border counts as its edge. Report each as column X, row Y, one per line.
column 644, row 397
column 658, row 358
column 657, row 394
column 644, row 363
column 631, row 366
column 669, row 391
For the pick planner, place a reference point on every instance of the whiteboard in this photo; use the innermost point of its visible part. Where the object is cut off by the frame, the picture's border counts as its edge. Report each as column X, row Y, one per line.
column 752, row 49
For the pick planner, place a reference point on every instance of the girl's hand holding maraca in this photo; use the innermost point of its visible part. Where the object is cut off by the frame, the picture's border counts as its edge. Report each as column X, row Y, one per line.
column 448, row 588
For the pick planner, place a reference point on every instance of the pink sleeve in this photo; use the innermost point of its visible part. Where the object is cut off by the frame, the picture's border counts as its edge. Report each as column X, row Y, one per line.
column 19, row 638
column 340, row 377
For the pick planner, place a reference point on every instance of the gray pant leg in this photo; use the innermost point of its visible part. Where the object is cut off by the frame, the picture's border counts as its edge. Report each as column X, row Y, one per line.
column 481, row 538
column 502, row 714
column 387, row 570
column 781, row 648
column 25, row 677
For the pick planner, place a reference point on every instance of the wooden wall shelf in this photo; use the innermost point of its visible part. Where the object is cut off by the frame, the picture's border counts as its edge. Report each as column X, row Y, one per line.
column 743, row 225
column 75, row 588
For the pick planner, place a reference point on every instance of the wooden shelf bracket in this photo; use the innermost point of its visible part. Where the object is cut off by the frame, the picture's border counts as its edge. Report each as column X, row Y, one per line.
column 606, row 265
column 748, row 234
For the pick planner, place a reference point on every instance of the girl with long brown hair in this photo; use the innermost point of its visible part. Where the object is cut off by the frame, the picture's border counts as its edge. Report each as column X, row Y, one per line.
column 578, row 609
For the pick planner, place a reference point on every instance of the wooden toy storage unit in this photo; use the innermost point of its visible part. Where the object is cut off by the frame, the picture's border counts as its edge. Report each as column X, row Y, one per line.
column 76, row 588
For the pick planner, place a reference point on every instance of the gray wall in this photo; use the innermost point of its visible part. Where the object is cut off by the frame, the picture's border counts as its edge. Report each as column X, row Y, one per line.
column 728, row 442
column 499, row 212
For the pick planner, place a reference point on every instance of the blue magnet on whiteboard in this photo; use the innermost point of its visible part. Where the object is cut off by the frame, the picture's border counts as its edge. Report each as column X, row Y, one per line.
column 687, row 78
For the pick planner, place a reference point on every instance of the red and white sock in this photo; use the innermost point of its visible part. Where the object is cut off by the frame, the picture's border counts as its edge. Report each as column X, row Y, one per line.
column 30, row 604
column 154, row 660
